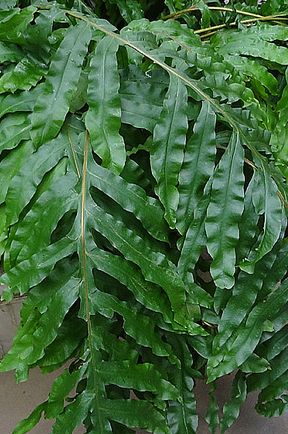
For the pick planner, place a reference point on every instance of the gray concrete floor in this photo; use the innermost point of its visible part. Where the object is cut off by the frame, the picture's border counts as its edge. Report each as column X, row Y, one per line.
column 17, row 401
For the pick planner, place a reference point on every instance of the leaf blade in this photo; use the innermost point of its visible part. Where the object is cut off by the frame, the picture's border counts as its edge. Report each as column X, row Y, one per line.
column 103, row 117
column 53, row 104
column 224, row 213
column 169, row 138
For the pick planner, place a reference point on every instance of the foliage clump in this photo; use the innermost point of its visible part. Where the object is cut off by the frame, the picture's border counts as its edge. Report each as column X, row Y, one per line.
column 144, row 207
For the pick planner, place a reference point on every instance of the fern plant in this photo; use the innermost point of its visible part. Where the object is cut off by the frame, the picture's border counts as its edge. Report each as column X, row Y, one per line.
column 144, row 207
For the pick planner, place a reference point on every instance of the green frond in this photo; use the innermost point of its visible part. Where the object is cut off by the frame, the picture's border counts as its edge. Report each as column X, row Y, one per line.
column 143, row 208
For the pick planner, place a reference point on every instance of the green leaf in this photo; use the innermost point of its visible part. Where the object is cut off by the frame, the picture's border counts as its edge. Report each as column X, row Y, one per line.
column 132, row 198
column 31, row 421
column 231, row 409
column 253, row 44
column 10, row 53
column 275, row 389
column 224, row 213
column 198, row 165
column 11, row 165
column 274, row 346
column 241, row 301
column 169, row 138
column 142, row 377
column 74, row 414
column 64, row 345
column 14, row 129
column 7, row 4
column 22, row 102
column 142, row 98
column 195, row 239
column 80, row 94
column 23, row 76
column 255, row 364
column 242, row 343
column 182, row 415
column 134, row 413
column 130, row 9
column 129, row 275
column 43, row 330
column 103, row 117
column 57, row 196
column 60, row 389
column 139, row 327
column 52, row 105
column 248, row 225
column 39, row 265
column 24, row 185
column 277, row 357
column 277, row 407
column 279, row 269
column 154, row 265
column 254, row 69
column 212, row 415
column 13, row 23
column 267, row 202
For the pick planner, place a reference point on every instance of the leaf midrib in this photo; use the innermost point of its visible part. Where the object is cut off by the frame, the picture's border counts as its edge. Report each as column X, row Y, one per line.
column 85, row 279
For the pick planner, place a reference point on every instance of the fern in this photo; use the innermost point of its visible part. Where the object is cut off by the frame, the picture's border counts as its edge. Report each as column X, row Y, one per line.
column 143, row 208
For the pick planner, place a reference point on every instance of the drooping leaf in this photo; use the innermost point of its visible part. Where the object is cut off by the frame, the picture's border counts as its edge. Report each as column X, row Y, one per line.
column 231, row 409
column 52, row 105
column 242, row 343
column 124, row 271
column 195, row 239
column 65, row 344
column 224, row 213
column 241, row 301
column 267, row 202
column 23, row 186
column 133, row 199
column 141, row 377
column 22, row 102
column 133, row 413
column 74, row 414
column 198, row 165
column 102, row 119
column 31, row 421
column 212, row 415
column 58, row 188
column 248, row 225
column 18, row 280
column 255, row 364
column 182, row 415
column 43, row 330
column 168, row 147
